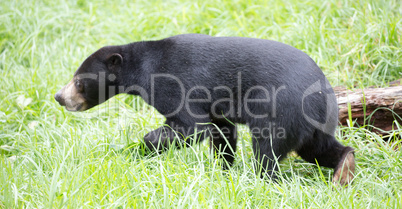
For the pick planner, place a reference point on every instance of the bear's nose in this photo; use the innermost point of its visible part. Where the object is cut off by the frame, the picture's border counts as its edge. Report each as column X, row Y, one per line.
column 59, row 99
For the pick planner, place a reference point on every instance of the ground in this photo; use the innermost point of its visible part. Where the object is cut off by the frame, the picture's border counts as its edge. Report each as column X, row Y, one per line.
column 53, row 158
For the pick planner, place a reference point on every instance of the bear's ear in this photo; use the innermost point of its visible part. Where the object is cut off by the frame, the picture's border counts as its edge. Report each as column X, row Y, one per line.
column 114, row 60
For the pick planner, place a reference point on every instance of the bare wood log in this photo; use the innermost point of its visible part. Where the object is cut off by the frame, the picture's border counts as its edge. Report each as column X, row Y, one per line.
column 376, row 100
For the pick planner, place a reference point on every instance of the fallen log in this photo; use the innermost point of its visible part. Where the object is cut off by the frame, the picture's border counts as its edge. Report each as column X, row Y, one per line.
column 377, row 107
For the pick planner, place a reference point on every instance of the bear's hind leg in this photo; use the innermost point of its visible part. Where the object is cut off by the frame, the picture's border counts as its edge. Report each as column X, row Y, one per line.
column 328, row 152
column 223, row 142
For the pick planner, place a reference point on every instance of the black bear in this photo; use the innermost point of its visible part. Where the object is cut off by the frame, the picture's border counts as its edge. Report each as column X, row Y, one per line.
column 204, row 85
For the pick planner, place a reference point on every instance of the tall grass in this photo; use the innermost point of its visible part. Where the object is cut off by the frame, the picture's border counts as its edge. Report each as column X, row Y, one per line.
column 51, row 158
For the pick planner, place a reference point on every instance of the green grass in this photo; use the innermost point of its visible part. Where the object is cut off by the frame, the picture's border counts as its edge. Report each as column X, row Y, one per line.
column 52, row 158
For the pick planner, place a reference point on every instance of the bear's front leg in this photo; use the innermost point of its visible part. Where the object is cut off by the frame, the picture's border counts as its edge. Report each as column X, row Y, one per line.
column 176, row 133
column 161, row 138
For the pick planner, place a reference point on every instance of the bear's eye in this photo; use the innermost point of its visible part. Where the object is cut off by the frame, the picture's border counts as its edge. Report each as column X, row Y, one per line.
column 79, row 85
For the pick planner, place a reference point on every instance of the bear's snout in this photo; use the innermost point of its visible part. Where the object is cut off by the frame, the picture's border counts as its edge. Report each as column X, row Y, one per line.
column 71, row 98
column 58, row 97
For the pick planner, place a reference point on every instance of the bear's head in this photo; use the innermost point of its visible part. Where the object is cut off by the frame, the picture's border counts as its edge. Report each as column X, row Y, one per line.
column 90, row 84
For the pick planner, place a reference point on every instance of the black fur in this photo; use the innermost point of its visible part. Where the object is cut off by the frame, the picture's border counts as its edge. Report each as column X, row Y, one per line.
column 227, row 68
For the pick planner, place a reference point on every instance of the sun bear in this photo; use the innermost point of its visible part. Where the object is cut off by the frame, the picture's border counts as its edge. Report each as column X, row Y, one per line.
column 204, row 85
